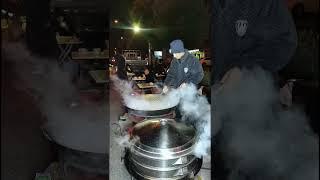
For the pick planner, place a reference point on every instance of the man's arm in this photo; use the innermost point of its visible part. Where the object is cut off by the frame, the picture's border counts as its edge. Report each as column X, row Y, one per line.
column 276, row 38
column 169, row 81
column 197, row 72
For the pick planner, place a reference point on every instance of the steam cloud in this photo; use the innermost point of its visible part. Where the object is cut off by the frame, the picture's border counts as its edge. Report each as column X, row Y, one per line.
column 82, row 127
column 194, row 107
column 140, row 103
column 197, row 110
column 260, row 139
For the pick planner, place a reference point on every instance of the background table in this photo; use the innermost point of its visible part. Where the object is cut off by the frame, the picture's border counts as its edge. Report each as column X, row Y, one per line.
column 138, row 79
column 145, row 85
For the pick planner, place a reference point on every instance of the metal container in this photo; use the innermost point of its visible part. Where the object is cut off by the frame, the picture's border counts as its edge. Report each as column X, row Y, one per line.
column 152, row 103
column 162, row 149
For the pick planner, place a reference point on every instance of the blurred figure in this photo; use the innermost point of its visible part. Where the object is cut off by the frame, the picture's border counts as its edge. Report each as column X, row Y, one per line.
column 248, row 36
column 121, row 65
column 149, row 75
column 203, row 61
column 14, row 31
column 63, row 27
column 128, row 68
column 263, row 34
column 40, row 36
column 160, row 69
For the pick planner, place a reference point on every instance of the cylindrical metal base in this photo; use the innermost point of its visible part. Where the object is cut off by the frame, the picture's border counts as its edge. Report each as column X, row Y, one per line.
column 192, row 170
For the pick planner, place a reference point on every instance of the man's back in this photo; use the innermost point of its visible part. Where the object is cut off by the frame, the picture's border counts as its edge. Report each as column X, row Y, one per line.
column 249, row 33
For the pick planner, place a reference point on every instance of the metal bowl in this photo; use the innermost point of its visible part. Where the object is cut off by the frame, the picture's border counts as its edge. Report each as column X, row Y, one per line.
column 152, row 102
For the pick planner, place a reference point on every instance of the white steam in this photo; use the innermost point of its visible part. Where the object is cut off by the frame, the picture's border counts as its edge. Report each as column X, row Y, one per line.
column 124, row 141
column 259, row 139
column 194, row 108
column 144, row 102
column 70, row 122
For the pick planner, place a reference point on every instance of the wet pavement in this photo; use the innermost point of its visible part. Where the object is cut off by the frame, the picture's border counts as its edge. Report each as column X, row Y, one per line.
column 116, row 165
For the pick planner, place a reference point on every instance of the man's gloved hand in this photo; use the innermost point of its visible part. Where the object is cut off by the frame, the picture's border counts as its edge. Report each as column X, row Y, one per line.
column 183, row 85
column 165, row 89
column 200, row 90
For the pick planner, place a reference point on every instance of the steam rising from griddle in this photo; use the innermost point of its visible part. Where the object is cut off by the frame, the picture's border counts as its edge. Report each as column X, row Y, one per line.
column 80, row 127
column 259, row 138
column 144, row 102
column 126, row 141
column 194, row 107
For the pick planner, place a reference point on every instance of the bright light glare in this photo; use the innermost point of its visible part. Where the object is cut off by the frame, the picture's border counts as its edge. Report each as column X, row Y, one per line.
column 136, row 28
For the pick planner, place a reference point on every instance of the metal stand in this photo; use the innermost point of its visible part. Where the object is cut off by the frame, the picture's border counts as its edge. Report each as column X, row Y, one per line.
column 64, row 55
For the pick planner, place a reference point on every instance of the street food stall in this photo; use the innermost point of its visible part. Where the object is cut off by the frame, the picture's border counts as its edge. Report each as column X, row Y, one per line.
column 160, row 147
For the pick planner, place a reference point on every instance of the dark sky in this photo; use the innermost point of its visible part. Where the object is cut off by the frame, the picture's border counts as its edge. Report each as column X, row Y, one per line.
column 168, row 20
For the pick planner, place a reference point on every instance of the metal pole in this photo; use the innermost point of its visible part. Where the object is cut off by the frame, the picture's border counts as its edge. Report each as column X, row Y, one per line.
column 149, row 57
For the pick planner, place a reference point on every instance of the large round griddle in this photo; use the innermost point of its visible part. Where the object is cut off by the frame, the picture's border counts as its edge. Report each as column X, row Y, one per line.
column 153, row 110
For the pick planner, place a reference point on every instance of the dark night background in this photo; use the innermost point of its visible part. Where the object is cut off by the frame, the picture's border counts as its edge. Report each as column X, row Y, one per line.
column 166, row 20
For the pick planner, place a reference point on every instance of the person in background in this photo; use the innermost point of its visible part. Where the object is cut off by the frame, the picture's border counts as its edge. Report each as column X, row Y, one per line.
column 149, row 75
column 185, row 68
column 128, row 68
column 121, row 72
column 203, row 61
column 121, row 65
column 160, row 67
column 205, row 83
column 63, row 25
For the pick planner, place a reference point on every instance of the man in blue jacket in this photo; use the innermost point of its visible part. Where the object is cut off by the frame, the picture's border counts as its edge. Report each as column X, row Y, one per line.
column 246, row 34
column 185, row 68
column 250, row 33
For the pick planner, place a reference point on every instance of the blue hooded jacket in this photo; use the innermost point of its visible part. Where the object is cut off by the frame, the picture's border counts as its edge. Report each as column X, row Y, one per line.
column 247, row 33
column 186, row 70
